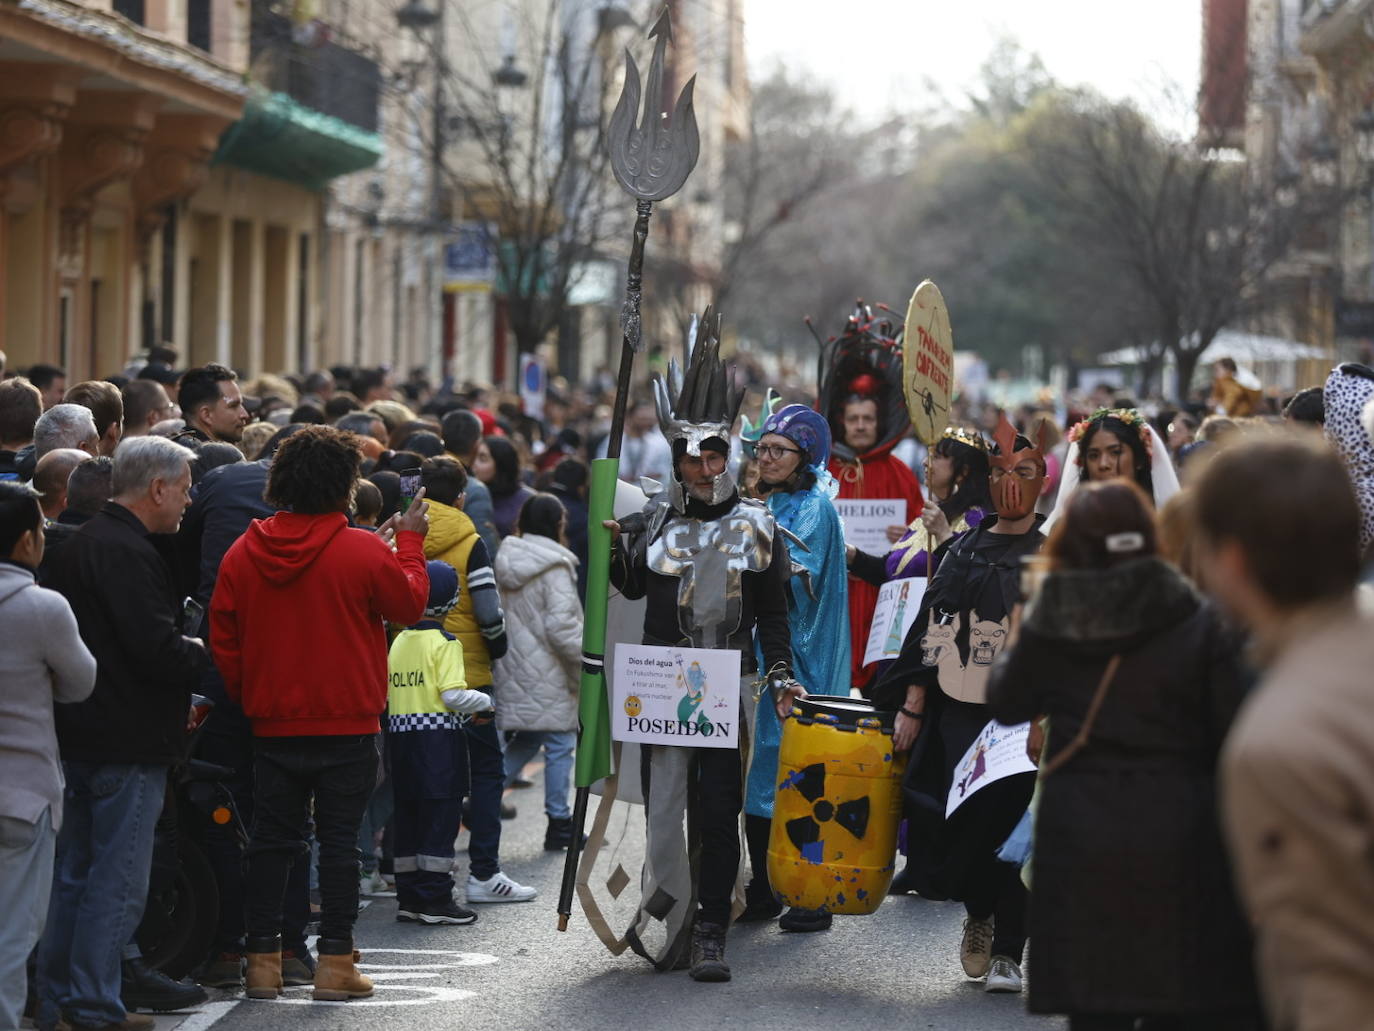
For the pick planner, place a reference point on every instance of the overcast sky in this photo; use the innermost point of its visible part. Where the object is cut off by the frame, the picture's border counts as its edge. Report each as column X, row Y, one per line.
column 877, row 53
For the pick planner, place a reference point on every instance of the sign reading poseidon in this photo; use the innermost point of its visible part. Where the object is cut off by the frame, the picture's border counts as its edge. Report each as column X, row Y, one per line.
column 676, row 696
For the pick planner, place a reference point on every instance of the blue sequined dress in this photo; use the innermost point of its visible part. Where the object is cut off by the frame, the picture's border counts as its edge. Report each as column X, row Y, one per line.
column 820, row 624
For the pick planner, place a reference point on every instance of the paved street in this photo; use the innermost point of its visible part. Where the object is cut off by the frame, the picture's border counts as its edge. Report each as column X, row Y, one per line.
column 513, row 970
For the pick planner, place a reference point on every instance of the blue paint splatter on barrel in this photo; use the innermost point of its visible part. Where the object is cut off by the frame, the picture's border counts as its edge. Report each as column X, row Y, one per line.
column 813, row 852
column 791, row 780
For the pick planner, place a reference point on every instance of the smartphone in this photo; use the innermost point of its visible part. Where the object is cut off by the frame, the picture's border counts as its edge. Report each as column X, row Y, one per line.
column 191, row 614
column 410, row 486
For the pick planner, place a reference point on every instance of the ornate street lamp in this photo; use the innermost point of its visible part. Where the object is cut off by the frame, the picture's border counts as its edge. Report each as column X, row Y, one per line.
column 1324, row 163
column 1364, row 136
column 508, row 75
column 1286, row 189
column 416, row 16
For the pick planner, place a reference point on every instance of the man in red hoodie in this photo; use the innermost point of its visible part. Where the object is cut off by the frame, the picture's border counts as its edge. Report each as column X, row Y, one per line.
column 297, row 626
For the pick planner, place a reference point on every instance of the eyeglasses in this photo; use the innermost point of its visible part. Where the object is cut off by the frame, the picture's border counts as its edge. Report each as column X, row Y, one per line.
column 775, row 451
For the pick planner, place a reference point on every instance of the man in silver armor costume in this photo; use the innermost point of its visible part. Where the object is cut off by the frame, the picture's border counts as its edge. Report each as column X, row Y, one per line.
column 713, row 569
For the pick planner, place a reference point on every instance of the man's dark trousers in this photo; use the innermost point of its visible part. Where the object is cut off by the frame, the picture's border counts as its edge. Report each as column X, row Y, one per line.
column 339, row 772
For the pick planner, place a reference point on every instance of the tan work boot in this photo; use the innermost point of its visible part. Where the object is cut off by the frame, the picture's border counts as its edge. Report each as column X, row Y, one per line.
column 336, row 973
column 263, row 977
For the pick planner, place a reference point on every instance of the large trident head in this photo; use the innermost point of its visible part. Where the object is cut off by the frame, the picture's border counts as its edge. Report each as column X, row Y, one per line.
column 652, row 160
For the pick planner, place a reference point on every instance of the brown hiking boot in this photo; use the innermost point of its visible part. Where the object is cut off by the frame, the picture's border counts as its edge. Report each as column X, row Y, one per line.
column 336, row 973
column 708, row 954
column 263, row 977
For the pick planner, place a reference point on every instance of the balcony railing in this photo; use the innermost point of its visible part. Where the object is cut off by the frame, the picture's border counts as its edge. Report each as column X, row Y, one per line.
column 317, row 72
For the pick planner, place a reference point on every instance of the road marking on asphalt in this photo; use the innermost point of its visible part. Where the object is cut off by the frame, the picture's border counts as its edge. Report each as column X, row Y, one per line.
column 428, row 995
column 202, row 1019
column 427, row 967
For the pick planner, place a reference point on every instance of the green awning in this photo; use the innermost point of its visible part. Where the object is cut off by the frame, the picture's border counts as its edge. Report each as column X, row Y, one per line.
column 286, row 140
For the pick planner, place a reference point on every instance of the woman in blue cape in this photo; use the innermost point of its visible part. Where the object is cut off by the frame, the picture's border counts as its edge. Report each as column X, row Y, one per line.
column 792, row 447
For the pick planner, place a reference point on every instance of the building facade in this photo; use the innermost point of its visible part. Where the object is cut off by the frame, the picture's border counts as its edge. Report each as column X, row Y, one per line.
column 109, row 125
column 281, row 186
column 1309, row 143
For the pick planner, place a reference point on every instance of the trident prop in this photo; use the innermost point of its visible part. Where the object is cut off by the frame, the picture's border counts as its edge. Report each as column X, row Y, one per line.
column 651, row 161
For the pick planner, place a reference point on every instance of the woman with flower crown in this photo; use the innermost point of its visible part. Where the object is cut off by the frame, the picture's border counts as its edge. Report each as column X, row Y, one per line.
column 1116, row 444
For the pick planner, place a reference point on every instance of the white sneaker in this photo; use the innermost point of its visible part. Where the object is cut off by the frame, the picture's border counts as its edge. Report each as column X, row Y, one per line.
column 975, row 951
column 374, row 884
column 1003, row 976
column 498, row 888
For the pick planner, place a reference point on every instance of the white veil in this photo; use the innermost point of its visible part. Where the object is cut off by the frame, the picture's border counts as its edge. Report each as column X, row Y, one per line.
column 1162, row 474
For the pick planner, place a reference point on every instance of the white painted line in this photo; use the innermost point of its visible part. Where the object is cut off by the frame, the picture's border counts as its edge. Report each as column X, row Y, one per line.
column 207, row 1016
column 427, row 995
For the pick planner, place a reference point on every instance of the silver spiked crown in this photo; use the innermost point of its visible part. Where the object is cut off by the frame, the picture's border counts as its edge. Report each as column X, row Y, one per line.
column 700, row 404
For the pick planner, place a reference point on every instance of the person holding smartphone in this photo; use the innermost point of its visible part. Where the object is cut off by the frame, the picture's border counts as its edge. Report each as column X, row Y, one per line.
column 304, row 575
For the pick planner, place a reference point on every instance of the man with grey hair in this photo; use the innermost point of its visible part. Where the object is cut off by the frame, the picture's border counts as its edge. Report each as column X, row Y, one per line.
column 65, row 425
column 117, row 745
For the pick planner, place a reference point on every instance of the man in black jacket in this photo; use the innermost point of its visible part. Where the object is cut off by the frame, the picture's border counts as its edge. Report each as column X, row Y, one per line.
column 117, row 745
column 223, row 505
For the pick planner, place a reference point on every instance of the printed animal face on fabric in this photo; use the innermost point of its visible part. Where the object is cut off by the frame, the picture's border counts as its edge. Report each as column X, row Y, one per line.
column 939, row 642
column 1018, row 472
column 984, row 642
column 966, row 682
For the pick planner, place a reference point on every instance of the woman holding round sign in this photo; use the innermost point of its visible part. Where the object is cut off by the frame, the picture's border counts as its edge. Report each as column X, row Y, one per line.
column 792, row 447
column 958, row 483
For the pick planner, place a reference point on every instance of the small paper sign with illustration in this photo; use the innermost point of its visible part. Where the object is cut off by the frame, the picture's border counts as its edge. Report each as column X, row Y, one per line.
column 866, row 521
column 676, row 696
column 898, row 603
column 998, row 752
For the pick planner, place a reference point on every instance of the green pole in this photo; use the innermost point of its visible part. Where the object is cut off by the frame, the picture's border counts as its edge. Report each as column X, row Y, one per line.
column 593, row 707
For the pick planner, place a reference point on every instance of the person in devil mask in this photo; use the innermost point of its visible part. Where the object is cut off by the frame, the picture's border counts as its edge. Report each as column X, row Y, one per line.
column 938, row 686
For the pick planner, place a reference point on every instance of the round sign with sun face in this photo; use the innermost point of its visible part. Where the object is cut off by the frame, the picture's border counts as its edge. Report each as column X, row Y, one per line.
column 633, row 706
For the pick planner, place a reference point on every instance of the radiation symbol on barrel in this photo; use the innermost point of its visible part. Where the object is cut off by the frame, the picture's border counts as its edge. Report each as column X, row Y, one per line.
column 807, row 833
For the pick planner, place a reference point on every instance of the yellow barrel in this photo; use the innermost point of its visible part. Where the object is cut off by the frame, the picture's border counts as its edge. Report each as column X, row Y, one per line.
column 836, row 810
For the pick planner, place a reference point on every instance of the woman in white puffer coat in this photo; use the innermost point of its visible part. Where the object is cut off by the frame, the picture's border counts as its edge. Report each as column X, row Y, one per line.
column 537, row 679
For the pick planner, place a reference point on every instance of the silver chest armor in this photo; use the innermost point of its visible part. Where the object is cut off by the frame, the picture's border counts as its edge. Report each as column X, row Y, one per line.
column 708, row 559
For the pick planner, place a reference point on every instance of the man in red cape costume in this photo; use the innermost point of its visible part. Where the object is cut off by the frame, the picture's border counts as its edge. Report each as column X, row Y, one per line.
column 861, row 395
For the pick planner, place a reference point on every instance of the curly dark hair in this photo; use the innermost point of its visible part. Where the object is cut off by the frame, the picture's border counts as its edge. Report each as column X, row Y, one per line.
column 314, row 471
